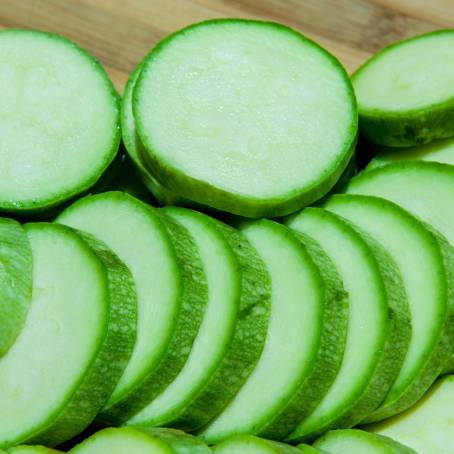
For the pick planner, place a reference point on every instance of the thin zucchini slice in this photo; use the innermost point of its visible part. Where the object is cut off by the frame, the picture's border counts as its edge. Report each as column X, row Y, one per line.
column 440, row 151
column 378, row 326
column 405, row 96
column 426, row 264
column 60, row 121
column 427, row 427
column 354, row 441
column 219, row 108
column 233, row 330
column 25, row 449
column 83, row 309
column 307, row 303
column 248, row 444
column 125, row 440
column 15, row 281
column 180, row 441
column 171, row 289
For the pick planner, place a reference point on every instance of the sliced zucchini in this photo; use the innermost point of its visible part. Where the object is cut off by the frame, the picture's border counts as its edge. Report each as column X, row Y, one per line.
column 404, row 92
column 308, row 306
column 125, row 440
column 232, row 334
column 25, row 449
column 308, row 449
column 440, row 151
column 248, row 444
column 171, row 290
column 219, row 106
column 15, row 281
column 431, row 298
column 59, row 121
column 428, row 426
column 180, row 441
column 354, row 441
column 83, row 309
column 378, row 327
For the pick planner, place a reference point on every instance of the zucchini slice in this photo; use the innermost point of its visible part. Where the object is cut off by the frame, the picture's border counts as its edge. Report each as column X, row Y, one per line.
column 248, row 444
column 378, row 326
column 427, row 427
column 405, row 96
column 430, row 299
column 440, row 151
column 171, row 289
column 308, row 307
column 59, row 121
column 308, row 449
column 15, row 281
column 233, row 330
column 83, row 308
column 180, row 441
column 354, row 441
column 25, row 449
column 124, row 440
column 219, row 108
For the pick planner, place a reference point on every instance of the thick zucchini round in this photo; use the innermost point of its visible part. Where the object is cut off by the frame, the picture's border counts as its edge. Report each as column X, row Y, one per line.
column 244, row 116
column 405, row 96
column 253, row 445
column 76, row 341
column 60, row 121
column 378, row 325
column 426, row 264
column 306, row 305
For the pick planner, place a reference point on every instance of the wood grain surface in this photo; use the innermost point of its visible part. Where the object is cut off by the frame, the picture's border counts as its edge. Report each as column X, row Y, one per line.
column 120, row 32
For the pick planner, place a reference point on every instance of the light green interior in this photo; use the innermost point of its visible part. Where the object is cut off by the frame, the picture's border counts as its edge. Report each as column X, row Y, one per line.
column 367, row 313
column 427, row 427
column 31, row 450
column 296, row 310
column 224, row 286
column 122, row 441
column 408, row 243
column 64, row 328
column 135, row 234
column 247, row 444
column 249, row 108
column 411, row 75
column 58, row 117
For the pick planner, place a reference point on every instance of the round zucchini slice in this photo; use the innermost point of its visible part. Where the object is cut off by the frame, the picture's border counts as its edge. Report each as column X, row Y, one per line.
column 378, row 325
column 171, row 289
column 59, row 121
column 426, row 264
column 405, row 96
column 426, row 427
column 121, row 441
column 307, row 306
column 180, row 441
column 83, row 308
column 354, row 441
column 15, row 281
column 245, row 116
column 233, row 330
column 248, row 444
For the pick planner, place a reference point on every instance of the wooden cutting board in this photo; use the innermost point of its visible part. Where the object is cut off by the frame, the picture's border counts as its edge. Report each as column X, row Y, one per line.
column 120, row 32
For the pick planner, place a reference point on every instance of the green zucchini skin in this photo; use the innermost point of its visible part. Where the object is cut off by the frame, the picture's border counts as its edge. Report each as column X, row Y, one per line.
column 205, row 194
column 28, row 449
column 251, row 443
column 406, row 128
column 338, row 441
column 33, row 206
column 15, row 281
column 180, row 441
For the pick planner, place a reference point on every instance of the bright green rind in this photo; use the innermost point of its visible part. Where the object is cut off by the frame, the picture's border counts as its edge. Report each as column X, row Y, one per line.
column 25, row 449
column 253, row 445
column 180, row 441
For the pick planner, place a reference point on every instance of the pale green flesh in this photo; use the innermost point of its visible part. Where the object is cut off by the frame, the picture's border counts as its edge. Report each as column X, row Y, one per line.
column 216, row 330
column 222, row 104
column 248, row 444
column 59, row 120
column 440, row 151
column 145, row 251
column 408, row 243
column 31, row 450
column 410, row 75
column 353, row 441
column 282, row 365
column 180, row 441
column 367, row 314
column 122, row 441
column 15, row 281
column 67, row 319
column 306, row 449
column 428, row 427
